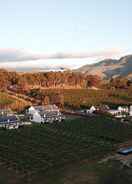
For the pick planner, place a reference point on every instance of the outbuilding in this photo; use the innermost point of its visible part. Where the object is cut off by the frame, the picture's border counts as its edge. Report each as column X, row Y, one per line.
column 45, row 114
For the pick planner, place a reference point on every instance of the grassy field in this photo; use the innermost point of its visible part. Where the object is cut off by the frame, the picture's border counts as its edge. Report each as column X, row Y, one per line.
column 41, row 152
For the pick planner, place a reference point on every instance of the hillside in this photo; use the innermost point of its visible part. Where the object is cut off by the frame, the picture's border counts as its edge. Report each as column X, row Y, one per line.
column 109, row 68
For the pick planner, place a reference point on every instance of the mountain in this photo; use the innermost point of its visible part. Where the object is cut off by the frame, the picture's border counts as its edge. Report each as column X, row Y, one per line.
column 109, row 68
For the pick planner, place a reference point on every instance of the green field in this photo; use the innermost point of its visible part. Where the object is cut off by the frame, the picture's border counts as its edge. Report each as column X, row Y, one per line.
column 36, row 151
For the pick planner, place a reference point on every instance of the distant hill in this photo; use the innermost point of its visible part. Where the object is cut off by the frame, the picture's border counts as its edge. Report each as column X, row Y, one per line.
column 109, row 68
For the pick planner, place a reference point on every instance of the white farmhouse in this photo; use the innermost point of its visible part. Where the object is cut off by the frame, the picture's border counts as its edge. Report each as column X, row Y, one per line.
column 43, row 114
column 91, row 110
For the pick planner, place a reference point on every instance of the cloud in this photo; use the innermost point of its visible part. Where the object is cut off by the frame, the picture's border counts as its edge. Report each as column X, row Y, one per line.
column 13, row 55
column 7, row 55
column 27, row 60
column 81, row 55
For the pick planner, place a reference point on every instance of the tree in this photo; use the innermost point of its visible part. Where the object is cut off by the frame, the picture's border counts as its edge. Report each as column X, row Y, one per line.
column 45, row 100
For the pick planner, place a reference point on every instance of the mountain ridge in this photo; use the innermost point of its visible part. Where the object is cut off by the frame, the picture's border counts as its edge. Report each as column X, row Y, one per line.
column 109, row 68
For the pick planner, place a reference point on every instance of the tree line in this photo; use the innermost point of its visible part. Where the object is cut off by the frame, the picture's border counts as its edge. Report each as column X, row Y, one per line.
column 22, row 82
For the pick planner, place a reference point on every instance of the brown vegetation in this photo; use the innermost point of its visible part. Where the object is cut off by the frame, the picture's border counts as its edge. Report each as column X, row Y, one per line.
column 22, row 82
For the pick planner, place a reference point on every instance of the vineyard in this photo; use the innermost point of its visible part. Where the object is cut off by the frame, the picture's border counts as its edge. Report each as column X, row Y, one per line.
column 38, row 149
column 86, row 97
column 83, row 98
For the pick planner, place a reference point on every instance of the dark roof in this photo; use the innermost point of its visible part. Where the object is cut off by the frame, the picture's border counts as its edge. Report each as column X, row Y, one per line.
column 8, row 119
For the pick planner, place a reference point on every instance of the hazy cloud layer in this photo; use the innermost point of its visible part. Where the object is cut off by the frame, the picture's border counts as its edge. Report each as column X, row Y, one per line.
column 8, row 55
column 23, row 60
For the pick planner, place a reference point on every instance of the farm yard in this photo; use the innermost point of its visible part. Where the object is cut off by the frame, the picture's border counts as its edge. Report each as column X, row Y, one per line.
column 38, row 151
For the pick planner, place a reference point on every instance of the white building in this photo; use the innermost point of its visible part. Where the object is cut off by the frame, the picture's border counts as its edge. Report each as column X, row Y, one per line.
column 91, row 110
column 120, row 112
column 43, row 114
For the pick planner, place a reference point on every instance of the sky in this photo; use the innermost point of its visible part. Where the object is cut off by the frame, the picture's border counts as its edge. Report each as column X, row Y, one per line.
column 69, row 33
